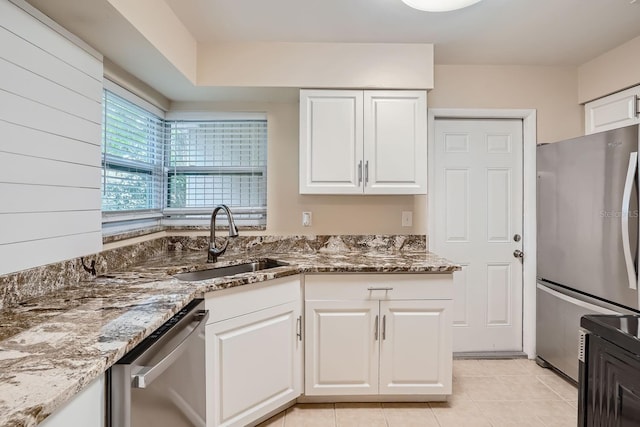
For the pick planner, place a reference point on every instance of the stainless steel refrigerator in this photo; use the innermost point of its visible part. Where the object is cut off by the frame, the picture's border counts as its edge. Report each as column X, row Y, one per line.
column 587, row 243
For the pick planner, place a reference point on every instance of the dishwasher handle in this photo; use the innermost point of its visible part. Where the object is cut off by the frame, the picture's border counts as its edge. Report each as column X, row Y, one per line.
column 147, row 374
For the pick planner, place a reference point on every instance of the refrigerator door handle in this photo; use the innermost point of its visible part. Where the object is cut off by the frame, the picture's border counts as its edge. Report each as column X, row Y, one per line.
column 624, row 220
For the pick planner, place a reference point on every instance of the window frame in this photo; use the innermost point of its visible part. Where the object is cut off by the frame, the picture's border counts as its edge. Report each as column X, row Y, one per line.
column 115, row 219
column 201, row 216
column 117, row 222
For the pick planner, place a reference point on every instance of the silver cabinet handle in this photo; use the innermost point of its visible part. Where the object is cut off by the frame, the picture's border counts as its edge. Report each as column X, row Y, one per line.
column 299, row 328
column 384, row 327
column 366, row 172
column 360, row 172
column 637, row 105
column 379, row 289
column 624, row 221
column 148, row 374
column 375, row 330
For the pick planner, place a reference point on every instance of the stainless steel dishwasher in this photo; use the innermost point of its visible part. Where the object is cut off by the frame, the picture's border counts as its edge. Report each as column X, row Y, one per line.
column 161, row 382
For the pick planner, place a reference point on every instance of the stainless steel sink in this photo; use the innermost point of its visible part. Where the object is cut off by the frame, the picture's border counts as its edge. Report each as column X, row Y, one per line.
column 212, row 273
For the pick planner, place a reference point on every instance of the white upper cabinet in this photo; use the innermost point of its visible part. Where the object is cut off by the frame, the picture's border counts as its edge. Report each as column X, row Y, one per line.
column 331, row 141
column 363, row 142
column 613, row 111
column 395, row 142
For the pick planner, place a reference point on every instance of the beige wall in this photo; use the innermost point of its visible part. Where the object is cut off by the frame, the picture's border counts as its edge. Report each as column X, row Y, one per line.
column 121, row 77
column 163, row 30
column 317, row 65
column 552, row 91
column 610, row 72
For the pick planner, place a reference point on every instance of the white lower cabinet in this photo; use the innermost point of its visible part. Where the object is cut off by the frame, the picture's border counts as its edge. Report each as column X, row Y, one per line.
column 415, row 347
column 342, row 350
column 253, row 351
column 381, row 334
column 86, row 409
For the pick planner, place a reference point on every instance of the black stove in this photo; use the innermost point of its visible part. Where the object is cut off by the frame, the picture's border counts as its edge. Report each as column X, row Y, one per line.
column 609, row 385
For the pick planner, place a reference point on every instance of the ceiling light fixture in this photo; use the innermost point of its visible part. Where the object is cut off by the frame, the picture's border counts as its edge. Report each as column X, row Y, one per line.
column 439, row 5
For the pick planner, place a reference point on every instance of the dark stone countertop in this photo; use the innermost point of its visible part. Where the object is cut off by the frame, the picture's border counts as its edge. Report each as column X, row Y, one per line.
column 53, row 346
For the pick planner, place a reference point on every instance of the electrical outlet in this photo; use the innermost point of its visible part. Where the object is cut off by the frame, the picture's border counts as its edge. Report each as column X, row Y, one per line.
column 407, row 218
column 307, row 219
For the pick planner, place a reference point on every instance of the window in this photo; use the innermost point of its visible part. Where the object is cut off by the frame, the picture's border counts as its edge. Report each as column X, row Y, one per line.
column 218, row 161
column 179, row 170
column 132, row 156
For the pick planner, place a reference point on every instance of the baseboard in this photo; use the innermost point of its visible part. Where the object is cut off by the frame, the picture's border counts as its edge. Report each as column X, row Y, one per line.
column 490, row 355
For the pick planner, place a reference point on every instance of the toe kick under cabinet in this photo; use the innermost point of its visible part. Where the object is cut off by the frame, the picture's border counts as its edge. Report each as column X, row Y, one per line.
column 375, row 335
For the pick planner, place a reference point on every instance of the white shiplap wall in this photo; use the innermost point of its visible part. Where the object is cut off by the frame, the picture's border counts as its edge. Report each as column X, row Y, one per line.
column 50, row 135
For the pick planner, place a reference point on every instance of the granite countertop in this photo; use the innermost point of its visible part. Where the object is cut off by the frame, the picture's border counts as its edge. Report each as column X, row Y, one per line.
column 53, row 346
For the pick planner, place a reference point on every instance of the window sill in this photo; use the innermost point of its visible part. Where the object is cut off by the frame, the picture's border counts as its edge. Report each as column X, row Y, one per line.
column 141, row 232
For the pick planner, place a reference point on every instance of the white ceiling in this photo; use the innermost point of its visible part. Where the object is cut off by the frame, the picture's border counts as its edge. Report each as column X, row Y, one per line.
column 542, row 32
column 520, row 32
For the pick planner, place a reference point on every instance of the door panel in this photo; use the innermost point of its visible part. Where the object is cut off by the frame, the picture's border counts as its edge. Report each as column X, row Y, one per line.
column 341, row 347
column 415, row 355
column 499, row 299
column 395, row 136
column 457, row 205
column 255, row 363
column 613, row 111
column 478, row 210
column 331, row 141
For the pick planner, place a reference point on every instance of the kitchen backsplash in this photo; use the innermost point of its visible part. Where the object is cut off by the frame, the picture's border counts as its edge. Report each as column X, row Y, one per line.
column 35, row 282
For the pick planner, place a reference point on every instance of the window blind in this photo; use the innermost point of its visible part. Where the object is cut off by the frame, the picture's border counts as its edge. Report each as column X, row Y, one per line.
column 132, row 156
column 218, row 161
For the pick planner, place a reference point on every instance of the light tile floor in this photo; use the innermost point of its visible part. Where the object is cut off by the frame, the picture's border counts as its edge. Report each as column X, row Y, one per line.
column 491, row 393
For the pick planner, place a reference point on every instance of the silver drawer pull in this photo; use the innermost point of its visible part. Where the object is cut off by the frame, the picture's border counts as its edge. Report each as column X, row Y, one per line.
column 384, row 327
column 379, row 289
column 375, row 330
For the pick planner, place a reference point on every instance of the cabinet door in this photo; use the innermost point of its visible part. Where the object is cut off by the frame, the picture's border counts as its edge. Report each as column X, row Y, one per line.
column 341, row 347
column 415, row 349
column 395, row 142
column 254, row 365
column 330, row 142
column 613, row 111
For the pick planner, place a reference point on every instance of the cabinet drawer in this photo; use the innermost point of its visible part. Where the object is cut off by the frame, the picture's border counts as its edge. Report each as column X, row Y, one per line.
column 378, row 286
column 240, row 300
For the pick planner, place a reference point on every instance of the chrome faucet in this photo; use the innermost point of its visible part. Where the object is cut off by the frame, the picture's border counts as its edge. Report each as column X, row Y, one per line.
column 215, row 252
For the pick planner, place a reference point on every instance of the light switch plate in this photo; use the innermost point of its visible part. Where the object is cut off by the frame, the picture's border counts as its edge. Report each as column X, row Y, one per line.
column 407, row 218
column 307, row 219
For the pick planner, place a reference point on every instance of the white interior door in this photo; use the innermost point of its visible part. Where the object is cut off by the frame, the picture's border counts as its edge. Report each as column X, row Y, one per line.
column 478, row 224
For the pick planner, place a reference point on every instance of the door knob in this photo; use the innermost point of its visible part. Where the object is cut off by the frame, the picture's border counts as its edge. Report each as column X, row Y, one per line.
column 518, row 254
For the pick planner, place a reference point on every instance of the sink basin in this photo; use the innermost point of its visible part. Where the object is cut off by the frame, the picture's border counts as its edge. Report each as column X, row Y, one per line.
column 230, row 270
